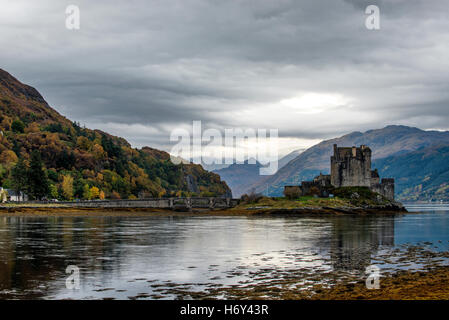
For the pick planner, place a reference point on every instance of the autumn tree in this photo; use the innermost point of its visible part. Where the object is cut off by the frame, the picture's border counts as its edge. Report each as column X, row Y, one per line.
column 33, row 127
column 83, row 143
column 6, row 123
column 8, row 158
column 67, row 187
column 94, row 193
column 98, row 152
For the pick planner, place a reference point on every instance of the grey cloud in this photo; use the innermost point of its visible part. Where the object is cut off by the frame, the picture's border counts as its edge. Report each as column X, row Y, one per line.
column 162, row 64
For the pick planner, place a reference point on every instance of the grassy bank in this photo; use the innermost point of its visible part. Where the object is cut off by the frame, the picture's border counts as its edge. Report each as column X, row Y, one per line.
column 302, row 202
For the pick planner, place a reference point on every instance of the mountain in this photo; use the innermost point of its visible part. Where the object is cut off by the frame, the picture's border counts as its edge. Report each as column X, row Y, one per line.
column 420, row 175
column 92, row 158
column 289, row 157
column 214, row 167
column 240, row 177
column 391, row 141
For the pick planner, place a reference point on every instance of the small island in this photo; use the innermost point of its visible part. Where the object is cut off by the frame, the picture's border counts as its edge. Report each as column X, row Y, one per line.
column 351, row 187
column 351, row 200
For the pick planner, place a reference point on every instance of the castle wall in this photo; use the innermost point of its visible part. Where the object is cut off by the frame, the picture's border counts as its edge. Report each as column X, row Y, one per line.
column 388, row 188
column 385, row 188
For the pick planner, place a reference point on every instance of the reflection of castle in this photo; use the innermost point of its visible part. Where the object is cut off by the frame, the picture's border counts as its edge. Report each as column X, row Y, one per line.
column 350, row 167
column 355, row 239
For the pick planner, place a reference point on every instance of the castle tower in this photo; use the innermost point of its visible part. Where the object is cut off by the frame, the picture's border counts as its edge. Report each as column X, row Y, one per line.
column 351, row 166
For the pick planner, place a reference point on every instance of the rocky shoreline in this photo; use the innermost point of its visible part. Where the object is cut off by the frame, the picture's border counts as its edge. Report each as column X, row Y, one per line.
column 425, row 276
column 404, row 285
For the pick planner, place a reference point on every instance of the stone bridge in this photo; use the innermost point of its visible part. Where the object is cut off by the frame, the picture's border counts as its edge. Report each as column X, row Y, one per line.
column 157, row 203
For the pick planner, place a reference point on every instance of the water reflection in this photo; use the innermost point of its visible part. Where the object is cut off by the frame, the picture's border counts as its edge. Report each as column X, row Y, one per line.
column 124, row 257
column 355, row 240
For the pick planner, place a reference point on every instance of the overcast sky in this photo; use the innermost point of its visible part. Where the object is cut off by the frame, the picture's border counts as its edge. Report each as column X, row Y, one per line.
column 140, row 68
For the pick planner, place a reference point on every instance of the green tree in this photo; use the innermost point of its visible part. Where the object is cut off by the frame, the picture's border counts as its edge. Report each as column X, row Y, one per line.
column 52, row 175
column 18, row 126
column 19, row 176
column 39, row 185
column 86, row 192
column 53, row 191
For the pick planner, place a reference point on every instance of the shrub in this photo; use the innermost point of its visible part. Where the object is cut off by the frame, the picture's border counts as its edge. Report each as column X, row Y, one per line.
column 349, row 192
column 115, row 195
column 251, row 198
column 314, row 191
column 292, row 192
column 360, row 195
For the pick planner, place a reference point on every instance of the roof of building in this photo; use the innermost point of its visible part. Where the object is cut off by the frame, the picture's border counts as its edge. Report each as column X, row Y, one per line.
column 13, row 193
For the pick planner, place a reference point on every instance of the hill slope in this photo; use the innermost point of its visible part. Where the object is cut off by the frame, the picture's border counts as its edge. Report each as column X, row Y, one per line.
column 91, row 157
column 240, row 177
column 421, row 175
column 387, row 142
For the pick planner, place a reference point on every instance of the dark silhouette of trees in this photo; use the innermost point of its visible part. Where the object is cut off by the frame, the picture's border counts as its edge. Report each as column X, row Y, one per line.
column 18, row 126
column 19, row 176
column 39, row 186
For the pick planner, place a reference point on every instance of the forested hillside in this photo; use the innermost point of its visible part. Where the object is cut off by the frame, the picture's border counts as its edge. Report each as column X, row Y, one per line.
column 82, row 163
column 420, row 175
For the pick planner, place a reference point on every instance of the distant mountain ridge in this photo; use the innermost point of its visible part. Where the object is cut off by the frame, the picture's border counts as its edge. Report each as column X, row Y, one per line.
column 92, row 158
column 240, row 177
column 392, row 143
column 289, row 157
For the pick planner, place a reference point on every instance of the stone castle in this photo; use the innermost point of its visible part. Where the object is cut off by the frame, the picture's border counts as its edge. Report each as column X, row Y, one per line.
column 350, row 167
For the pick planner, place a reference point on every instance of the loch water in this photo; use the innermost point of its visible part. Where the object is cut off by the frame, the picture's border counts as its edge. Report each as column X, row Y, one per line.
column 156, row 257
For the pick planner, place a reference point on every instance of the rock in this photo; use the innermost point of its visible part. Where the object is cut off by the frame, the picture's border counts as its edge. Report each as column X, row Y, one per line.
column 355, row 195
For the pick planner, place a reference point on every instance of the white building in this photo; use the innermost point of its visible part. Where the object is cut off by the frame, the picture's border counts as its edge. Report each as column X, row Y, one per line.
column 11, row 195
